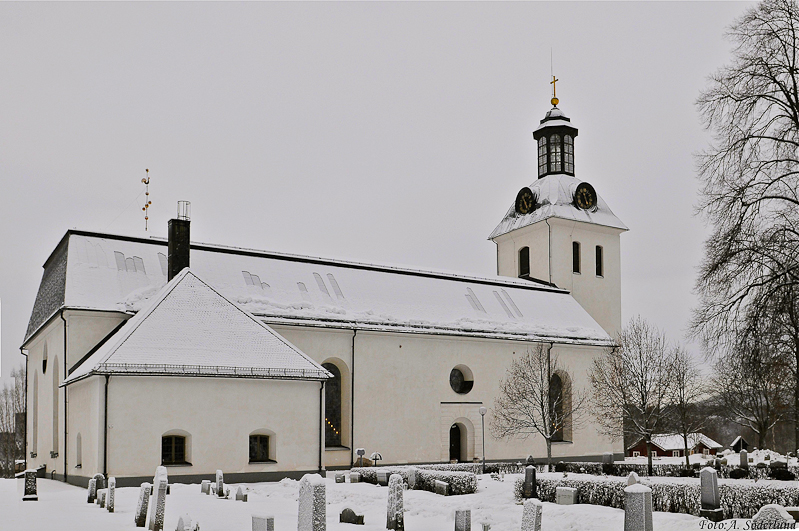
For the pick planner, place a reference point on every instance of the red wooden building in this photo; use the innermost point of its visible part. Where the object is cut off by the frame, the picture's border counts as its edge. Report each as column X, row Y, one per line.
column 674, row 446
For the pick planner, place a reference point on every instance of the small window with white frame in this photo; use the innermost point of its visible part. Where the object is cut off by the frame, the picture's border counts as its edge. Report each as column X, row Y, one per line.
column 705, row 451
column 654, row 454
column 636, row 454
column 675, row 453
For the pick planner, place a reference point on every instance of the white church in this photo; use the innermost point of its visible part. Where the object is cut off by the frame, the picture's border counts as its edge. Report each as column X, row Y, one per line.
column 144, row 351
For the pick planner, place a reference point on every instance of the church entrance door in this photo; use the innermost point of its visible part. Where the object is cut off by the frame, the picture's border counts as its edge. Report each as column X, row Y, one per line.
column 455, row 443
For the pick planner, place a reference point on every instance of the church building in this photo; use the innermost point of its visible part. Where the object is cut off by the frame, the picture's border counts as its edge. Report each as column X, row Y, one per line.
column 150, row 351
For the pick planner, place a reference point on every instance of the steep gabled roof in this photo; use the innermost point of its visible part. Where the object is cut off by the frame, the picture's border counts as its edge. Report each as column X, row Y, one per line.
column 668, row 443
column 190, row 329
column 554, row 196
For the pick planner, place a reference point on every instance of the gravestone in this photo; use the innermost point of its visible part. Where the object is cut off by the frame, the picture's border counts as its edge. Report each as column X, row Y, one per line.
column 382, row 478
column 531, row 516
column 607, row 458
column 711, row 502
column 92, row 491
column 112, row 487
column 632, row 479
column 101, row 498
column 220, row 484
column 412, row 471
column 565, row 495
column 395, row 507
column 340, row 478
column 30, row 486
column 772, row 516
column 637, row 508
column 263, row 523
column 205, row 486
column 348, row 516
column 312, row 504
column 158, row 507
column 463, row 520
column 529, row 490
column 241, row 495
column 355, row 477
column 441, row 487
column 140, row 517
column 486, row 526
column 99, row 481
column 161, row 473
column 185, row 523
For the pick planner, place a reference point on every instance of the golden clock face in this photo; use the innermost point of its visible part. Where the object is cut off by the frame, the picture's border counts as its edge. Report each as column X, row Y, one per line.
column 525, row 201
column 585, row 196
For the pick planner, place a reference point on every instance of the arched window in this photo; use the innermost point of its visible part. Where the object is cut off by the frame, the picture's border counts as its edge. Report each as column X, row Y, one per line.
column 333, row 406
column 568, row 154
column 556, row 407
column 259, row 448
column 78, row 452
column 542, row 156
column 35, row 423
column 600, row 268
column 524, row 262
column 173, row 450
column 555, row 149
column 576, row 257
column 44, row 358
column 55, row 406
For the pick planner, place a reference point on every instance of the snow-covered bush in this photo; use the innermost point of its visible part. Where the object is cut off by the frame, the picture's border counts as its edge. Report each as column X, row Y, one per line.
column 459, row 482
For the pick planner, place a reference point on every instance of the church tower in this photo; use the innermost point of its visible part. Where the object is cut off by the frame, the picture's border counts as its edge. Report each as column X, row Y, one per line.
column 560, row 231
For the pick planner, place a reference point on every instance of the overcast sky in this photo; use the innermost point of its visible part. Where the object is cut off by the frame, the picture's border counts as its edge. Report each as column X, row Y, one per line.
column 382, row 132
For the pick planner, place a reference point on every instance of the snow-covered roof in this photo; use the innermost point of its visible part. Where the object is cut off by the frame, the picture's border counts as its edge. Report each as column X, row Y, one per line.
column 668, row 443
column 554, row 197
column 190, row 329
column 116, row 273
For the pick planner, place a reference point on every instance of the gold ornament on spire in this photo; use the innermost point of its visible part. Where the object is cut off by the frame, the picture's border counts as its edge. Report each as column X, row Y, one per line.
column 554, row 96
column 147, row 202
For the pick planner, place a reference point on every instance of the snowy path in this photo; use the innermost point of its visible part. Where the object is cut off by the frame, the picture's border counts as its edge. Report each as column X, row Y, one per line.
column 64, row 507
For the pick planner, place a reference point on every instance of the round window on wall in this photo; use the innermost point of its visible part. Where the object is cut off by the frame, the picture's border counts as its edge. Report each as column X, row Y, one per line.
column 461, row 379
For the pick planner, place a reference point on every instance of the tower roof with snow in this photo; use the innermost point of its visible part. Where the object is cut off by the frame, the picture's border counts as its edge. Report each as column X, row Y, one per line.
column 190, row 329
column 108, row 272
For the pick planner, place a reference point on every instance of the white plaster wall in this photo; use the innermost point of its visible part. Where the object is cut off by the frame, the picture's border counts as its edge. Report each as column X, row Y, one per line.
column 536, row 237
column 219, row 414
column 86, row 404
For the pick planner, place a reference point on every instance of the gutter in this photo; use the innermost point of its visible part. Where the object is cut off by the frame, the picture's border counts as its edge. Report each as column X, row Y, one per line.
column 66, row 423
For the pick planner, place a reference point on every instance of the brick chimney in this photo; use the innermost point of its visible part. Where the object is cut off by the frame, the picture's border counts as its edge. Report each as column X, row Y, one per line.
column 179, row 240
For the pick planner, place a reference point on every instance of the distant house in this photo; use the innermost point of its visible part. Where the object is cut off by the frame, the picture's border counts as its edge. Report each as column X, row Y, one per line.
column 674, row 446
column 739, row 444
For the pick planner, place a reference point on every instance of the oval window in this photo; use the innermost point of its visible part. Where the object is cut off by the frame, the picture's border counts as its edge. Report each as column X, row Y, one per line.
column 460, row 382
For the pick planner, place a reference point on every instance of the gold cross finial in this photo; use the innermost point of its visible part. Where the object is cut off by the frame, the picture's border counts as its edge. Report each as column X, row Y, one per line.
column 554, row 96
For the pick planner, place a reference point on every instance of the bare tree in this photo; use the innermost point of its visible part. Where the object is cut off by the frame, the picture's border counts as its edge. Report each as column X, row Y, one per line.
column 688, row 390
column 536, row 398
column 750, row 186
column 632, row 385
column 12, row 414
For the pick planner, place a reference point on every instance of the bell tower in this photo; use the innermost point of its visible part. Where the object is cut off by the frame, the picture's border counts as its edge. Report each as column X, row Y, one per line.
column 559, row 231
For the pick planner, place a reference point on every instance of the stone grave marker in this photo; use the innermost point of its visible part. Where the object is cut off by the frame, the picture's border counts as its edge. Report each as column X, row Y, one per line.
column 101, row 498
column 348, row 516
column 632, row 479
column 565, row 495
column 711, row 502
column 394, row 511
column 185, row 524
column 112, row 487
column 312, row 504
column 263, row 523
column 340, row 478
column 607, row 458
column 355, row 477
column 220, row 484
column 205, row 486
column 30, row 486
column 637, row 508
column 486, row 526
column 141, row 507
column 441, row 487
column 99, row 481
column 382, row 478
column 529, row 490
column 241, row 495
column 463, row 520
column 772, row 516
column 412, row 471
column 744, row 459
column 158, row 507
column 531, row 516
column 92, row 491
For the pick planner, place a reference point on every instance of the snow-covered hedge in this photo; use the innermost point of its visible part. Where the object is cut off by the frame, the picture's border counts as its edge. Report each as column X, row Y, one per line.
column 737, row 500
column 460, row 482
column 661, row 469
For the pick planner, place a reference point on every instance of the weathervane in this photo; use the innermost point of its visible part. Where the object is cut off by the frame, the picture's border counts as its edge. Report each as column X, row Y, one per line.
column 147, row 201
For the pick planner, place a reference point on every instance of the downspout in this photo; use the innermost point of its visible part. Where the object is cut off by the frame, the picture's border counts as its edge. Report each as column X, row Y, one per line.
column 549, row 251
column 105, row 429
column 321, row 420
column 66, row 423
column 25, row 442
column 352, row 399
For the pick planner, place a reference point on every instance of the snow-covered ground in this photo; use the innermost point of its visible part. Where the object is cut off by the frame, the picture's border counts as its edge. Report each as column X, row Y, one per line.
column 64, row 507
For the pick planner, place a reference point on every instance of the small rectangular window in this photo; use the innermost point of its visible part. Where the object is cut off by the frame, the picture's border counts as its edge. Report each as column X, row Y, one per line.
column 654, row 453
column 636, row 454
column 705, row 451
column 173, row 450
column 576, row 257
column 259, row 448
column 675, row 453
column 600, row 270
column 524, row 262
